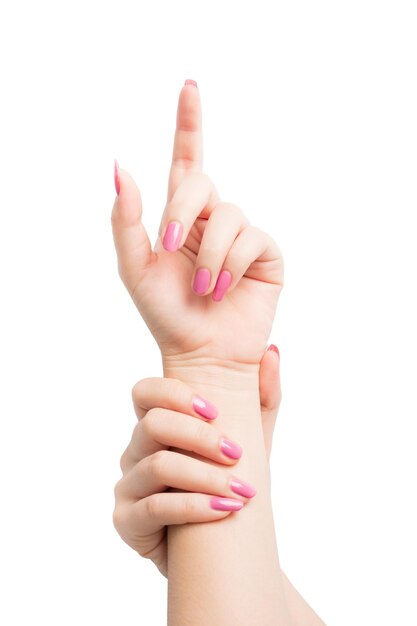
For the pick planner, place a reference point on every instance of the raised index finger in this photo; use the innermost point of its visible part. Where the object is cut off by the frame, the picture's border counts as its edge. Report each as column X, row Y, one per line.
column 187, row 155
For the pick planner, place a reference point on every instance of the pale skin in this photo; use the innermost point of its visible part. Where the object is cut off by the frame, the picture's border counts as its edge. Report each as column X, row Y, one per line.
column 166, row 419
column 213, row 341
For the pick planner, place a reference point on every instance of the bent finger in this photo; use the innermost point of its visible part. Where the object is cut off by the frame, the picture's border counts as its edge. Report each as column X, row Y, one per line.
column 149, row 515
column 195, row 197
column 170, row 393
column 173, row 469
column 161, row 429
column 223, row 226
column 254, row 254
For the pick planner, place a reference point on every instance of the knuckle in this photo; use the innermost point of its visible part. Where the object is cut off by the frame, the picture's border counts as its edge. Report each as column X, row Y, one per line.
column 204, row 178
column 154, row 505
column 119, row 517
column 157, row 463
column 117, row 490
column 229, row 209
column 139, row 388
column 122, row 462
column 151, row 422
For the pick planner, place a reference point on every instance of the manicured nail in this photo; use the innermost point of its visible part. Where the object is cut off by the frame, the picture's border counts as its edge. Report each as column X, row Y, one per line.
column 242, row 488
column 190, row 81
column 274, row 348
column 204, row 408
column 222, row 285
column 225, row 504
column 172, row 236
column 230, row 449
column 116, row 177
column 201, row 281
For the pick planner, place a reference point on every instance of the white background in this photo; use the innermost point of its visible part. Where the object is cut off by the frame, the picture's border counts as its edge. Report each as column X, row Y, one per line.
column 310, row 127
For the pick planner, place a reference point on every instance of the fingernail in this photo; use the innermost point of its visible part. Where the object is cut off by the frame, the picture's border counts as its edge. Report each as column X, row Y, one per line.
column 201, row 281
column 222, row 285
column 274, row 348
column 190, row 81
column 242, row 488
column 172, row 236
column 230, row 449
column 225, row 504
column 204, row 408
column 116, row 177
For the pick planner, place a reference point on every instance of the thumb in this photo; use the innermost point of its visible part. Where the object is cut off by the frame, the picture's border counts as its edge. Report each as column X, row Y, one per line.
column 269, row 393
column 269, row 380
column 131, row 241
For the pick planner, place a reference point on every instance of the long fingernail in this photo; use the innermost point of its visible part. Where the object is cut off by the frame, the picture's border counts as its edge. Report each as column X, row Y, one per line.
column 242, row 488
column 116, row 177
column 201, row 281
column 204, row 408
column 190, row 81
column 172, row 236
column 225, row 504
column 274, row 348
column 230, row 449
column 222, row 285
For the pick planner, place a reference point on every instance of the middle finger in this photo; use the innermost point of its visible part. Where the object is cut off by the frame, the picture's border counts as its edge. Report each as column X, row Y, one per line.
column 163, row 428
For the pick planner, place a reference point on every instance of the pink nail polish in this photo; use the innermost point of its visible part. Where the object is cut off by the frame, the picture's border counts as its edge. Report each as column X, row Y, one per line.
column 190, row 81
column 116, row 177
column 225, row 504
column 172, row 236
column 201, row 281
column 274, row 348
column 204, row 408
column 242, row 488
column 230, row 449
column 222, row 285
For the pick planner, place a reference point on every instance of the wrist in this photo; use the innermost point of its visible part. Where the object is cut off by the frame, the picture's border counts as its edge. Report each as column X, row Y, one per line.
column 221, row 375
column 234, row 390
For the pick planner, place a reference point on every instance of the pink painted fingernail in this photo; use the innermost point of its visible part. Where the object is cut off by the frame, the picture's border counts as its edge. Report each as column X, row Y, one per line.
column 225, row 504
column 116, row 177
column 172, row 236
column 201, row 281
column 242, row 488
column 222, row 285
column 274, row 348
column 190, row 81
column 230, row 449
column 204, row 408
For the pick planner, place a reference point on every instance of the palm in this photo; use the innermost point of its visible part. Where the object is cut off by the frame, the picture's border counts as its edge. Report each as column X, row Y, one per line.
column 235, row 329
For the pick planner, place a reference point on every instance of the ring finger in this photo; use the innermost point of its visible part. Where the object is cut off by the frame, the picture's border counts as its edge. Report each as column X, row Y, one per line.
column 172, row 469
column 223, row 226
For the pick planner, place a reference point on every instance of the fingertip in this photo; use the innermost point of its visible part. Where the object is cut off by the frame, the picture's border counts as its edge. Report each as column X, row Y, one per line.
column 274, row 348
column 204, row 408
column 226, row 504
column 116, row 176
column 172, row 237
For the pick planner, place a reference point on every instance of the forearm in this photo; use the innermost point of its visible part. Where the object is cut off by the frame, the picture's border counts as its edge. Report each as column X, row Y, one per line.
column 229, row 568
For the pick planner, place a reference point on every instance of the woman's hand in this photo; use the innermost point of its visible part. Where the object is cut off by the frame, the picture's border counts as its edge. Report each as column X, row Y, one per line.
column 209, row 288
column 168, row 412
